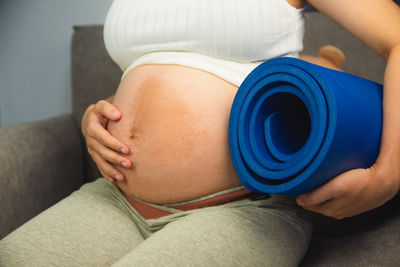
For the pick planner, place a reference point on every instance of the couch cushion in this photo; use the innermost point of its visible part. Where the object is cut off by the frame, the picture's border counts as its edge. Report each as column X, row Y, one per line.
column 369, row 239
column 41, row 163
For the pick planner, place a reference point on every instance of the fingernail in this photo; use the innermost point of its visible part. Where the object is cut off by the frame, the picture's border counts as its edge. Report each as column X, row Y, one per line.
column 123, row 150
column 300, row 200
column 114, row 113
column 124, row 164
column 118, row 177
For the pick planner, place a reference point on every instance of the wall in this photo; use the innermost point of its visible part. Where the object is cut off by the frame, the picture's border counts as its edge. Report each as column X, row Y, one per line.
column 35, row 55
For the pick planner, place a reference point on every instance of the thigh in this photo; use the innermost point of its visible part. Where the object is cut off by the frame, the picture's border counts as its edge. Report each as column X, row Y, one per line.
column 269, row 235
column 89, row 228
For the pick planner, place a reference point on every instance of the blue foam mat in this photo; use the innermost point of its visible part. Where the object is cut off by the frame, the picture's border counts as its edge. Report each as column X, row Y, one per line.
column 295, row 125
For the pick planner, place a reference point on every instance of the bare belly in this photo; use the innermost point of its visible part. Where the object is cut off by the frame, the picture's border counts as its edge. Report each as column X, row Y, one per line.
column 175, row 121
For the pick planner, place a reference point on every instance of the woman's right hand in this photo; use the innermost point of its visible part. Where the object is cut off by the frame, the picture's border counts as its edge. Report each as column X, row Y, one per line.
column 102, row 146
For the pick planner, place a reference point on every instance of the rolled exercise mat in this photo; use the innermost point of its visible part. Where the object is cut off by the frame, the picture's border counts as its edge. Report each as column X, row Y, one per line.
column 295, row 125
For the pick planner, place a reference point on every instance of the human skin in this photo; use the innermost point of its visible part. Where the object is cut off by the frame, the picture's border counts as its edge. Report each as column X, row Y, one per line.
column 176, row 125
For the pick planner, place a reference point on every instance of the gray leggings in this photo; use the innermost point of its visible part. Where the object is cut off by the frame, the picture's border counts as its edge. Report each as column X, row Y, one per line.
column 96, row 226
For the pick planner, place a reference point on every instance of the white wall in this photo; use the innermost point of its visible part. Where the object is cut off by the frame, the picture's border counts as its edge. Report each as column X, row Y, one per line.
column 35, row 38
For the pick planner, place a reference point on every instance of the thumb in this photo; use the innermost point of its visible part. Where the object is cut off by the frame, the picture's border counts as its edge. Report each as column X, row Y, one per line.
column 317, row 196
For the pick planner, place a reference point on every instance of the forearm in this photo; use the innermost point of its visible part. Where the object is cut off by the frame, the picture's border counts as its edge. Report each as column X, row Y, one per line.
column 389, row 155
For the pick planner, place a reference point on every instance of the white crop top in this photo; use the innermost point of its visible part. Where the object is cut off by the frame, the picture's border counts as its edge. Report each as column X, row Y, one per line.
column 226, row 37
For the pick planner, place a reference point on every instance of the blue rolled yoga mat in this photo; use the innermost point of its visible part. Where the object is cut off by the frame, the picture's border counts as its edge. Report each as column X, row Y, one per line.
column 295, row 125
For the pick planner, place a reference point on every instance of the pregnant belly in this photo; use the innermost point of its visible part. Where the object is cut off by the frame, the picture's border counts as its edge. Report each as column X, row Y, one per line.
column 175, row 121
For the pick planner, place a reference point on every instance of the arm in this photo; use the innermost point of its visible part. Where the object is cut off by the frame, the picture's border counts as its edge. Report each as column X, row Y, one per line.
column 377, row 23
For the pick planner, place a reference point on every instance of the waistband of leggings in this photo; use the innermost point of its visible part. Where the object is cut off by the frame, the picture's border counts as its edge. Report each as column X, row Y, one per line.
column 155, row 211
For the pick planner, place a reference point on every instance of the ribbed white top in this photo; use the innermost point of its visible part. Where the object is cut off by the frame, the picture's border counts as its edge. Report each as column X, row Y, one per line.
column 242, row 31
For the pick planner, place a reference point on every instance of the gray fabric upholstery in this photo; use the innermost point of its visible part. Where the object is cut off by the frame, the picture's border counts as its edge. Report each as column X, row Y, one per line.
column 94, row 75
column 370, row 239
column 41, row 163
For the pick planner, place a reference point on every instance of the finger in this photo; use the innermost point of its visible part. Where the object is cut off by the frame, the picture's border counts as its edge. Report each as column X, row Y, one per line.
column 89, row 112
column 320, row 208
column 331, row 208
column 110, row 179
column 105, row 138
column 106, row 168
column 109, row 155
column 318, row 195
column 107, row 110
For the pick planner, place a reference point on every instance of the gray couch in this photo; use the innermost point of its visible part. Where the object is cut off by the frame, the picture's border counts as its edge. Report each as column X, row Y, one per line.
column 43, row 162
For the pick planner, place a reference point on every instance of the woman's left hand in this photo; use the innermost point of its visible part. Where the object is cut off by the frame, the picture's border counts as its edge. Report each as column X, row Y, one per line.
column 353, row 192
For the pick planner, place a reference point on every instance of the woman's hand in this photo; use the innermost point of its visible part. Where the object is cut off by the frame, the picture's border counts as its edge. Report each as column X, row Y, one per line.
column 353, row 192
column 102, row 146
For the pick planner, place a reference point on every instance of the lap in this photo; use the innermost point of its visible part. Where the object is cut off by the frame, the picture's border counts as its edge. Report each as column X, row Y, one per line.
column 227, row 236
column 94, row 227
column 88, row 228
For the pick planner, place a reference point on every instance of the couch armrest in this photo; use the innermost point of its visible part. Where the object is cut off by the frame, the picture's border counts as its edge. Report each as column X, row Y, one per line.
column 40, row 163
